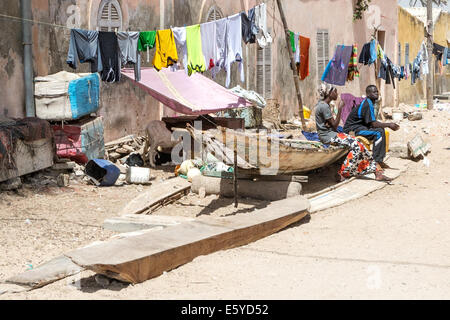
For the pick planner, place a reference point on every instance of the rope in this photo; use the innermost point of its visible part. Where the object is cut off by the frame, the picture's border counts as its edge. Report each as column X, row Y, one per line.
column 33, row 21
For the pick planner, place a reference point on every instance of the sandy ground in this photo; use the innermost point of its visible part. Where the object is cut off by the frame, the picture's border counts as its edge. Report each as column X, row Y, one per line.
column 391, row 244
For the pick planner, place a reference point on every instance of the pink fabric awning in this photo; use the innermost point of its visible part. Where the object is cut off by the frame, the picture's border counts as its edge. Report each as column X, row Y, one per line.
column 194, row 95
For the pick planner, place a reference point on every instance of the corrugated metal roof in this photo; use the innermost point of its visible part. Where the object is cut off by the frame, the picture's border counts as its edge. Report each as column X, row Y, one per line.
column 421, row 14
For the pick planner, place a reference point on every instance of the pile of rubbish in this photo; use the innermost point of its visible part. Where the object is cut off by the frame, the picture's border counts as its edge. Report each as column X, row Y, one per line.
column 192, row 168
column 120, row 150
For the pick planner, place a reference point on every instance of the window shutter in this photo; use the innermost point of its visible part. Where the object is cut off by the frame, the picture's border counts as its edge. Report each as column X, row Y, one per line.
column 110, row 16
column 264, row 71
column 407, row 54
column 323, row 51
column 214, row 14
column 399, row 53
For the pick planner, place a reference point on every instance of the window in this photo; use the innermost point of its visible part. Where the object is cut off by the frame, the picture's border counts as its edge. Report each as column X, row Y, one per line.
column 323, row 52
column 109, row 16
column 407, row 54
column 264, row 71
column 399, row 61
column 214, row 14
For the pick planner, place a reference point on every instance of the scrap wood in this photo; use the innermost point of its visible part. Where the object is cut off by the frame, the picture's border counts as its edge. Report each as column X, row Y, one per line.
column 156, row 194
column 139, row 258
column 160, row 203
column 49, row 272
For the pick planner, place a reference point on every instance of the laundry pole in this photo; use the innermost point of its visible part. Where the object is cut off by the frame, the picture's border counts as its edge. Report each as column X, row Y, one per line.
column 294, row 71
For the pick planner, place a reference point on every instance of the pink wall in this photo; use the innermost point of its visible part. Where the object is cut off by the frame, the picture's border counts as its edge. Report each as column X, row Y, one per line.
column 306, row 17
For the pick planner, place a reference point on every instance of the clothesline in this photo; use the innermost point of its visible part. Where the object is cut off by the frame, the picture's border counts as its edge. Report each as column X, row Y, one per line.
column 211, row 46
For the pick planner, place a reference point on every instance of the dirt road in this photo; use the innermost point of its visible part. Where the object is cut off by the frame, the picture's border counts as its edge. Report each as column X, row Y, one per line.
column 391, row 244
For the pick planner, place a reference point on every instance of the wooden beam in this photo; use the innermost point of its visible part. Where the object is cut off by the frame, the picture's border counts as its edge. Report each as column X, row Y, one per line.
column 156, row 195
column 139, row 258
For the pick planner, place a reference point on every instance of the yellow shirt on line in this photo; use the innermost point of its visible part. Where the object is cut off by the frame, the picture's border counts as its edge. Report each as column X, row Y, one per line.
column 166, row 50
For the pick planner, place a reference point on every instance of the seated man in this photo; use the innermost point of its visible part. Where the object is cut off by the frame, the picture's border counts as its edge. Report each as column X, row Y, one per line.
column 362, row 122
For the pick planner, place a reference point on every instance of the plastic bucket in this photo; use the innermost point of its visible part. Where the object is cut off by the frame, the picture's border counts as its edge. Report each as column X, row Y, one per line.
column 138, row 175
column 103, row 171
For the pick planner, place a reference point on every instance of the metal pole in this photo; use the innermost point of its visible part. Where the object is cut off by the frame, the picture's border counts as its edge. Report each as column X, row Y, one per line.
column 429, row 36
column 235, row 186
column 291, row 55
column 25, row 6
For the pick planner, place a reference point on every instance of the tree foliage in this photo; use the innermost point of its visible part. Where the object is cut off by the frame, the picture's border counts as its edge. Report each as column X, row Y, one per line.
column 361, row 6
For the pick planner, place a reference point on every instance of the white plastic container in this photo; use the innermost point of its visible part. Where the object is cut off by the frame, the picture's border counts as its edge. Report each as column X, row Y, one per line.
column 397, row 116
column 138, row 175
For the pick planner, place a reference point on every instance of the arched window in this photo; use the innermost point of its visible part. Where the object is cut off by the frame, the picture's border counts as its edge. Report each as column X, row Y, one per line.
column 214, row 14
column 109, row 16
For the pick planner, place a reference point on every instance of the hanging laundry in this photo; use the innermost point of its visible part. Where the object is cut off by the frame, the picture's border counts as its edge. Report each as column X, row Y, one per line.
column 109, row 49
column 304, row 57
column 209, row 44
column 146, row 42
column 180, row 40
column 386, row 71
column 263, row 37
column 196, row 60
column 247, row 34
column 166, row 51
column 221, row 46
column 438, row 51
column 445, row 58
column 423, row 53
column 365, row 56
column 297, row 48
column 415, row 70
column 83, row 47
column 338, row 67
column 292, row 38
column 373, row 51
column 234, row 47
column 252, row 17
column 353, row 71
column 128, row 46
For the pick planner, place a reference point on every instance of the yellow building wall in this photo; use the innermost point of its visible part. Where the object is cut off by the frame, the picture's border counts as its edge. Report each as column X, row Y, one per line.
column 411, row 31
column 440, row 35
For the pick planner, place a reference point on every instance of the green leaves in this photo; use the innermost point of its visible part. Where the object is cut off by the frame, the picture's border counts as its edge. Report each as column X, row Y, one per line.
column 361, row 6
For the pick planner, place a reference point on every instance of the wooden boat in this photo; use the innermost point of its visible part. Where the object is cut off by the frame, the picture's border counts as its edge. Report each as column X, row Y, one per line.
column 260, row 153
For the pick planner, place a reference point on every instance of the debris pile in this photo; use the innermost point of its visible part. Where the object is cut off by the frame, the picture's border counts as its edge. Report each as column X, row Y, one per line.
column 121, row 149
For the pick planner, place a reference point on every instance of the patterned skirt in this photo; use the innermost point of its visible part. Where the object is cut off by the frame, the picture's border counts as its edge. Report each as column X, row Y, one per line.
column 359, row 160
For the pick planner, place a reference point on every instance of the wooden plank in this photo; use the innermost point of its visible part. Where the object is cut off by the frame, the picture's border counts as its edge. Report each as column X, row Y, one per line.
column 29, row 157
column 155, row 195
column 137, row 259
column 49, row 272
column 355, row 188
column 133, row 222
